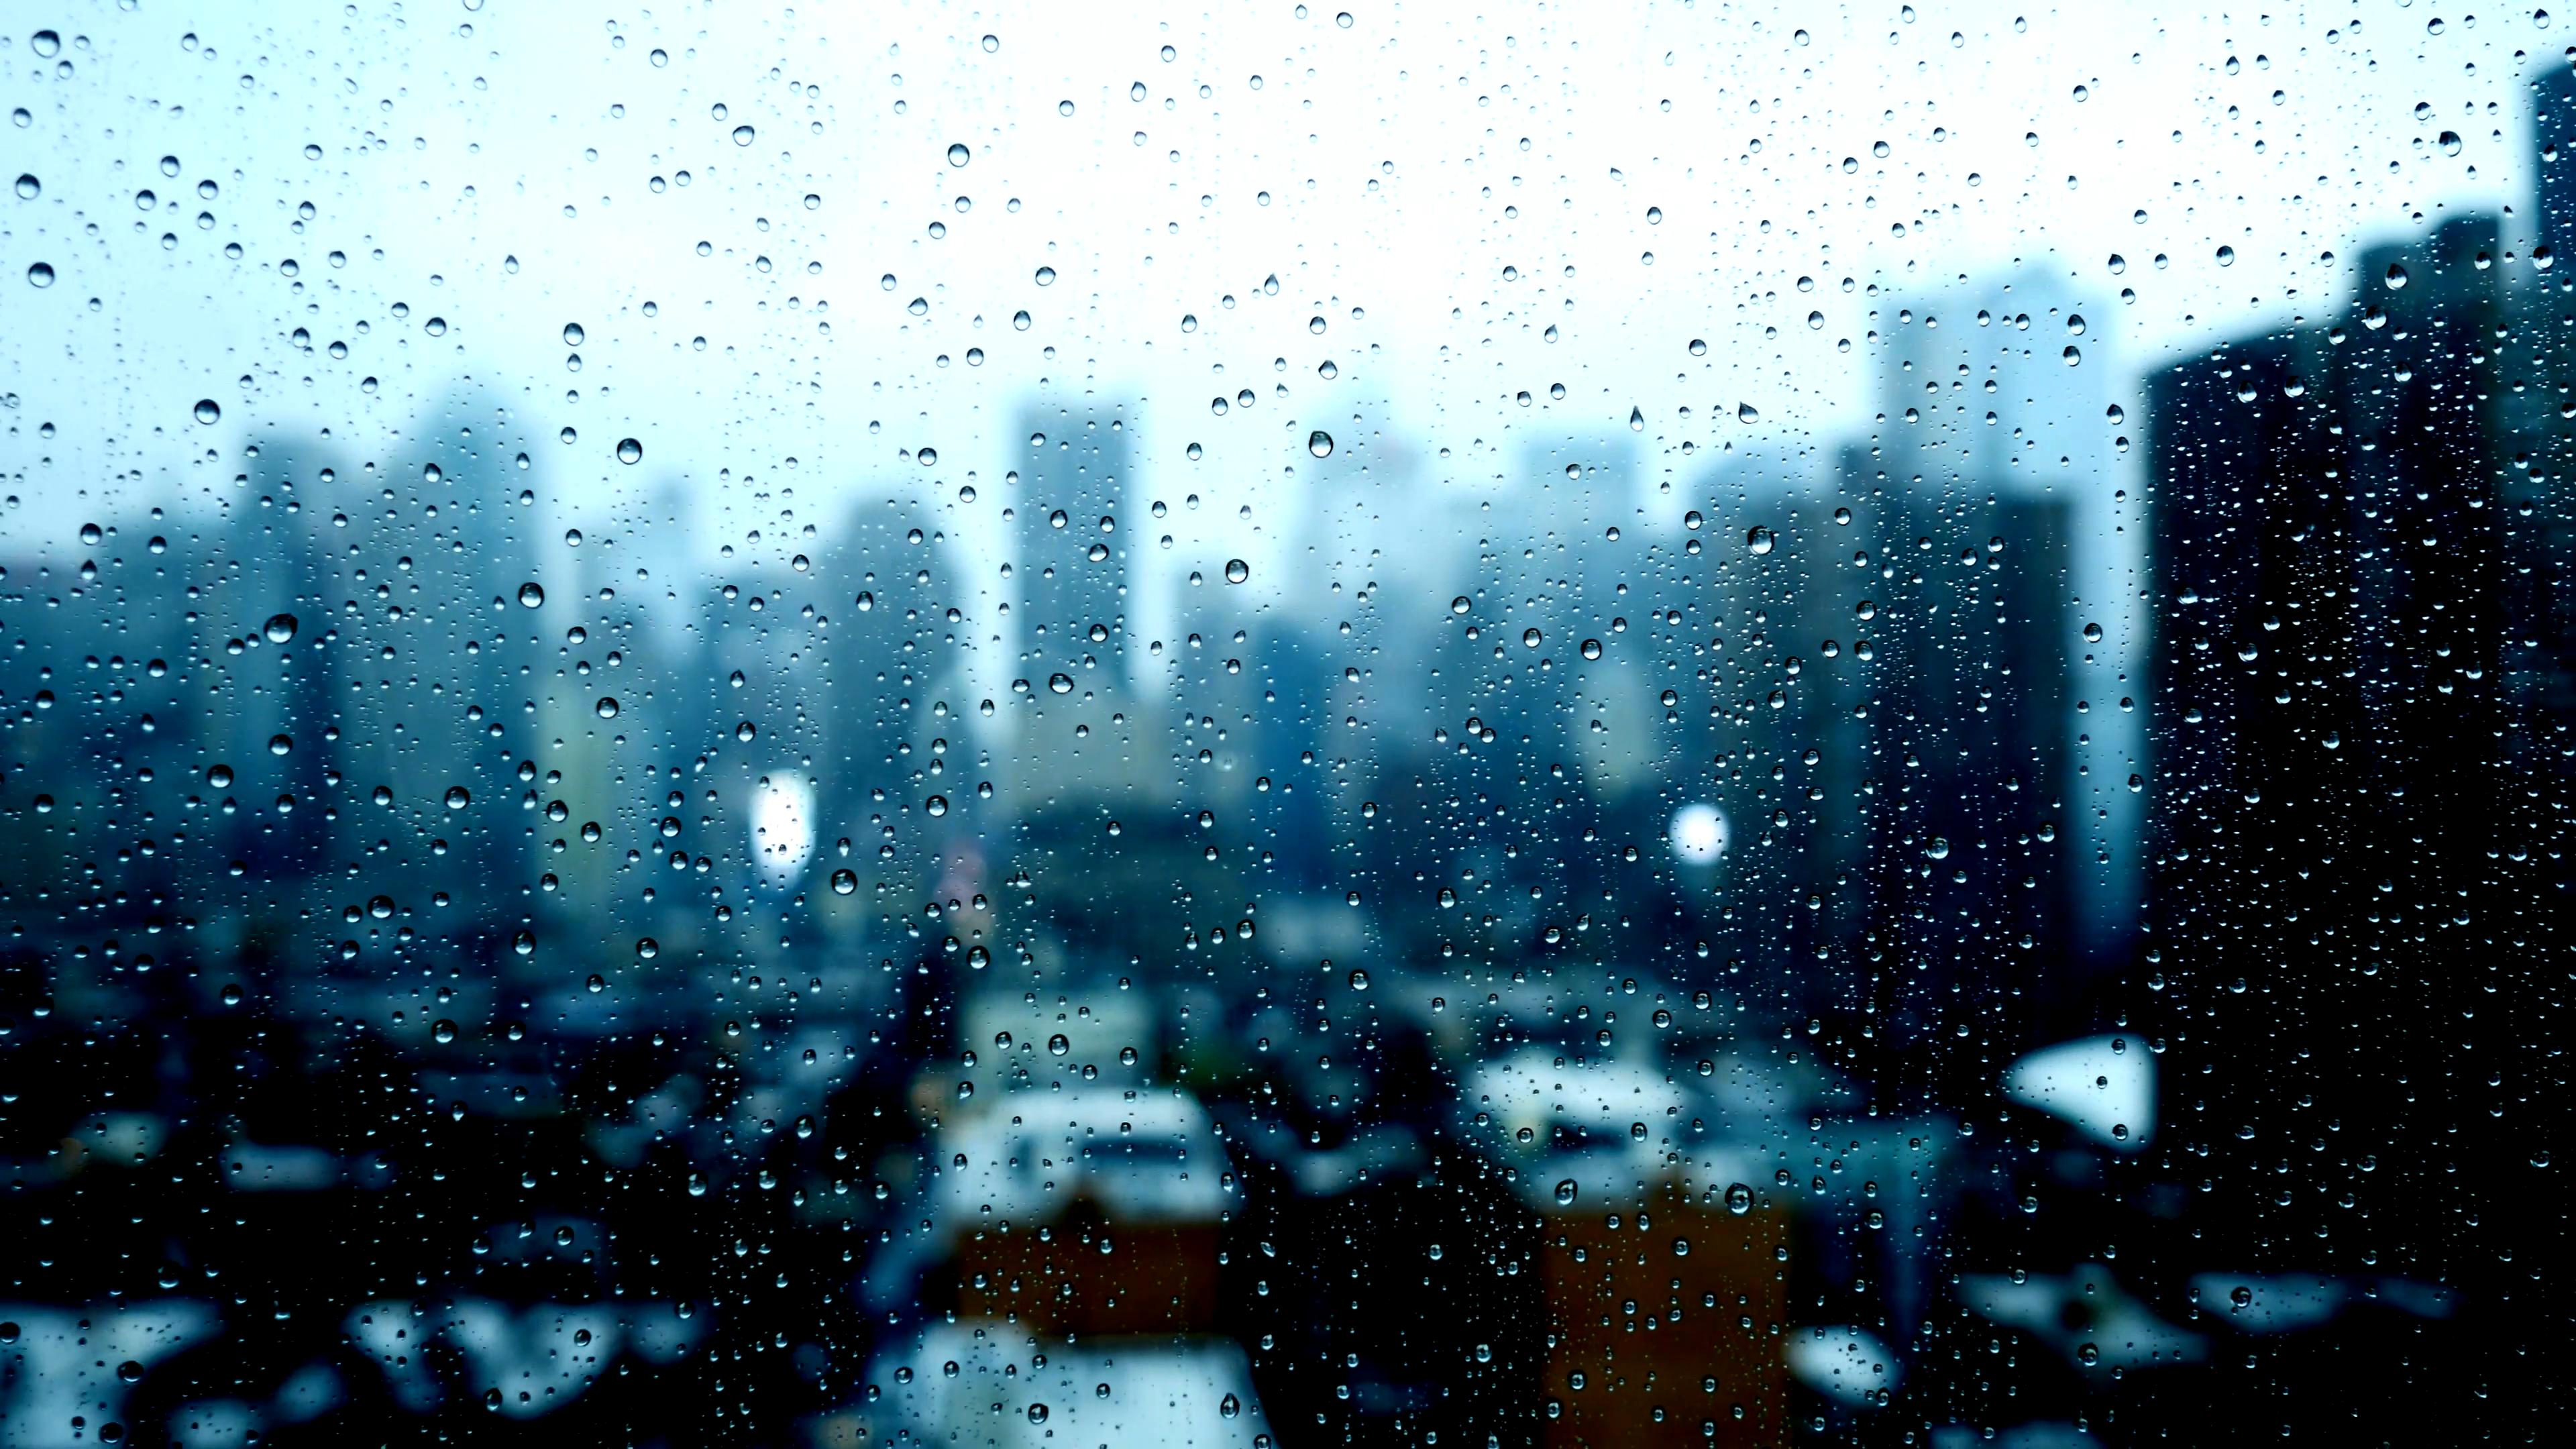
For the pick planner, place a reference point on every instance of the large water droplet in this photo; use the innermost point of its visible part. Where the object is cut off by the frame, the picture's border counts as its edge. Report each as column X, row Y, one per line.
column 531, row 594
column 1739, row 1199
column 958, row 155
column 646, row 948
column 1565, row 1193
column 1060, row 683
column 41, row 274
column 29, row 188
column 573, row 335
column 744, row 135
column 1037, row 1413
column 1636, row 420
column 935, row 806
column 745, row 732
column 209, row 412
column 220, row 777
column 1759, row 540
column 844, row 882
column 1229, row 1406
column 1591, row 648
column 443, row 1032
column 629, row 451
column 458, row 797
column 1460, row 604
column 1236, row 571
column 1530, row 638
column 2396, row 276
column 1057, row 1045
column 1320, row 443
column 1745, row 413
column 607, row 707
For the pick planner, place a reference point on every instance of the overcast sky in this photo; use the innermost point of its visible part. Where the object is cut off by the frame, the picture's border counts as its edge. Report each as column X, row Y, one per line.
column 1469, row 204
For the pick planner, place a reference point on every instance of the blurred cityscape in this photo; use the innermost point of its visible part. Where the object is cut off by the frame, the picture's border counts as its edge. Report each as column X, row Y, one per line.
column 1900, row 942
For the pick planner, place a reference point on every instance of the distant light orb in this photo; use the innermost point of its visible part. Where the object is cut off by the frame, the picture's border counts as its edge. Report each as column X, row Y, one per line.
column 1698, row 834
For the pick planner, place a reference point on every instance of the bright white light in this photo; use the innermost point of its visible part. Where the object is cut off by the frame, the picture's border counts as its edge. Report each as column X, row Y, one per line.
column 782, row 830
column 2104, row 1085
column 1698, row 834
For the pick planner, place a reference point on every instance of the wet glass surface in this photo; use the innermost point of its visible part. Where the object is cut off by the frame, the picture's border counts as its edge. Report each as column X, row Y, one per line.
column 940, row 726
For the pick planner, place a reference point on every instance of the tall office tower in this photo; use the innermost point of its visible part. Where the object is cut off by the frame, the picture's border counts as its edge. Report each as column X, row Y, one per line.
column 1986, row 592
column 2335, row 837
column 1071, row 556
column 2541, row 527
column 1086, row 739
column 2329, row 580
column 274, row 715
column 879, row 671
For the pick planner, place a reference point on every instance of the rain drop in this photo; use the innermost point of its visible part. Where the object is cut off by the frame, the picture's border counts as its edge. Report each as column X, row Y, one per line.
column 209, row 412
column 42, row 275
column 458, row 797
column 1236, row 571
column 1320, row 443
column 1759, row 540
column 629, row 451
column 1565, row 1193
column 531, row 594
column 606, row 708
column 844, row 882
column 1739, row 1199
column 743, row 135
column 745, row 732
column 958, row 155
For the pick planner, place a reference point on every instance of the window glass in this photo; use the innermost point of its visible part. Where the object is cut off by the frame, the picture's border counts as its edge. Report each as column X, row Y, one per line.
column 1691, row 724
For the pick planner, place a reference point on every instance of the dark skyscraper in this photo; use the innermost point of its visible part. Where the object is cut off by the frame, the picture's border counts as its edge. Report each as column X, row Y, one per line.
column 2343, row 899
column 1072, row 545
